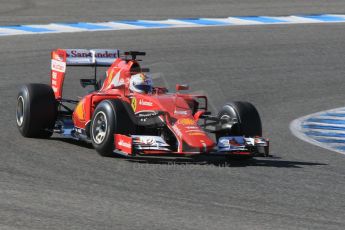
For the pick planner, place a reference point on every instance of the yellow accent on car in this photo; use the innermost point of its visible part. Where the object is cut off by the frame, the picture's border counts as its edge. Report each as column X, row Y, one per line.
column 186, row 121
column 79, row 110
column 134, row 104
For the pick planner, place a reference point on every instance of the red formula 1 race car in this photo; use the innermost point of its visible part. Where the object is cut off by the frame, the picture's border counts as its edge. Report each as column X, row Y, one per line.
column 126, row 115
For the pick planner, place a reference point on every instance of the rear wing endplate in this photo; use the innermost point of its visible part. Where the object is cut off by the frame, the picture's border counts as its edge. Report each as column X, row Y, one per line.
column 60, row 58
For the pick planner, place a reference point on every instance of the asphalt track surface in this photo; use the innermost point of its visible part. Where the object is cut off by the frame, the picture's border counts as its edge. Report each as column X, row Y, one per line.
column 45, row 11
column 287, row 71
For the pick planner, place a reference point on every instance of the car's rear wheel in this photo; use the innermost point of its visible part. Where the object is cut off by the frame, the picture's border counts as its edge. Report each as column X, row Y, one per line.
column 36, row 110
column 110, row 117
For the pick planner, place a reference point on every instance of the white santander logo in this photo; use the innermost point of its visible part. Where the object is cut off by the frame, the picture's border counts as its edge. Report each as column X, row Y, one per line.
column 146, row 103
column 124, row 144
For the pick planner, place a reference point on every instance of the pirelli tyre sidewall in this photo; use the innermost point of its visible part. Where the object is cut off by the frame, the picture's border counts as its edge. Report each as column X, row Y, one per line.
column 110, row 117
column 36, row 110
column 249, row 122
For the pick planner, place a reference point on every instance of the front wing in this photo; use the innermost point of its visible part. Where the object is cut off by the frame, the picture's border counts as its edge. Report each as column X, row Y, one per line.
column 155, row 145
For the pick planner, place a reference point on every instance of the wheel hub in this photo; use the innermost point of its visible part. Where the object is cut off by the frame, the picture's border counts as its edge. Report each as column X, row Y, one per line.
column 20, row 111
column 99, row 127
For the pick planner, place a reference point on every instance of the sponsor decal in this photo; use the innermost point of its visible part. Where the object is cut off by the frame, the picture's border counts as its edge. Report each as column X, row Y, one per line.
column 58, row 66
column 134, row 104
column 196, row 133
column 186, row 121
column 177, row 131
column 235, row 141
column 147, row 114
column 54, row 82
column 148, row 140
column 124, row 144
column 145, row 103
column 181, row 112
column 191, row 127
column 148, row 117
column 106, row 54
column 83, row 54
column 78, row 53
column 193, row 130
column 54, row 75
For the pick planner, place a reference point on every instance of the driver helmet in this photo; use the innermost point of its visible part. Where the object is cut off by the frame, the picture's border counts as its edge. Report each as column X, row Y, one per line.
column 140, row 83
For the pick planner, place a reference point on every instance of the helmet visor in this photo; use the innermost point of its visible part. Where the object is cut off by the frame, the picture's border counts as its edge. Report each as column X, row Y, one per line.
column 145, row 88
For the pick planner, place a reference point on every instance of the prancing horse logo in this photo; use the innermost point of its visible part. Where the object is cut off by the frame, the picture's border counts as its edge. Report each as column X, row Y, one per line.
column 134, row 104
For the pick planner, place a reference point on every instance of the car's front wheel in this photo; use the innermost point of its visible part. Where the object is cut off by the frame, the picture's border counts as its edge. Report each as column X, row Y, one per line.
column 248, row 122
column 110, row 117
column 248, row 119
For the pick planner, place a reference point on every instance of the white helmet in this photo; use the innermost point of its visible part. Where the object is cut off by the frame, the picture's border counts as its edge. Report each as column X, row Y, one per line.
column 140, row 83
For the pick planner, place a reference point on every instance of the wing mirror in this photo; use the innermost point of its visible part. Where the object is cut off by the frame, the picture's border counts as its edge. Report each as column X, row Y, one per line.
column 182, row 87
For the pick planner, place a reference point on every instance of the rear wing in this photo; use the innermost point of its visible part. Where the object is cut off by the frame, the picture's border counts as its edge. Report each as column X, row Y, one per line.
column 84, row 57
column 60, row 58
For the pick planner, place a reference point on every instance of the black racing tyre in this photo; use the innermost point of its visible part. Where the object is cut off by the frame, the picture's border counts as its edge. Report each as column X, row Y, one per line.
column 110, row 117
column 249, row 122
column 36, row 110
